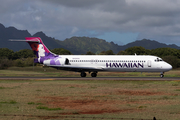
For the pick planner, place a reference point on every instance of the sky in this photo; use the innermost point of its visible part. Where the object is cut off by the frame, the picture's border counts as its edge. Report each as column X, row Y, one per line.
column 120, row 21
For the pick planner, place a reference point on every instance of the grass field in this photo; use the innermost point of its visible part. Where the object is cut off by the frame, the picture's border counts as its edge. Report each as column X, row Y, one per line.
column 92, row 99
column 30, row 99
column 51, row 72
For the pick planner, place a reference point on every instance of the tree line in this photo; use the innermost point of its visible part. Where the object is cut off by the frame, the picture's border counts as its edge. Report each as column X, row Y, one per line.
column 170, row 55
column 26, row 57
column 23, row 58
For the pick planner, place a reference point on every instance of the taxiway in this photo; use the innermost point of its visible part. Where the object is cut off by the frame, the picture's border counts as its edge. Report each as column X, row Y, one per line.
column 97, row 78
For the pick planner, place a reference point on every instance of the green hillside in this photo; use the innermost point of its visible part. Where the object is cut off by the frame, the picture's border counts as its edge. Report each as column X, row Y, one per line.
column 85, row 44
column 76, row 45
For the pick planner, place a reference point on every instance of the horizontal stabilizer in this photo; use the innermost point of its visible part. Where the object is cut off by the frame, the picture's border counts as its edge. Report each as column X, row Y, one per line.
column 37, row 41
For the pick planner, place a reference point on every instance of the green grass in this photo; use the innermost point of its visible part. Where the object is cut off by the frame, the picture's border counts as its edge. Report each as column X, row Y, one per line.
column 31, row 103
column 39, row 71
column 2, row 88
column 46, row 108
column 10, row 102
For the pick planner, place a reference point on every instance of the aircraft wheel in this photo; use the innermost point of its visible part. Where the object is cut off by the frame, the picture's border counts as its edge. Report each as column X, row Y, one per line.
column 161, row 75
column 83, row 74
column 93, row 74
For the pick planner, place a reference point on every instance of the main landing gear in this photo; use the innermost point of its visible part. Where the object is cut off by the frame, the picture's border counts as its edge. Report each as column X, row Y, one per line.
column 83, row 74
column 94, row 74
column 162, row 74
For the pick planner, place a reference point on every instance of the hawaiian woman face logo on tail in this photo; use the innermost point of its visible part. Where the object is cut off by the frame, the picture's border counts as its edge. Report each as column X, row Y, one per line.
column 41, row 51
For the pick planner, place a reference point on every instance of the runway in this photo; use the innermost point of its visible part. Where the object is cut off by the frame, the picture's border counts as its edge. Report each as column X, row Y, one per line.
column 97, row 78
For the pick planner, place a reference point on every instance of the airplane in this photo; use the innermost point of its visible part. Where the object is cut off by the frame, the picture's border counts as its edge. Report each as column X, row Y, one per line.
column 96, row 63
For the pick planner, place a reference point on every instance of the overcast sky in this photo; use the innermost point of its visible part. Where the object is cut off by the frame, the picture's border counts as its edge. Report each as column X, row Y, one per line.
column 120, row 21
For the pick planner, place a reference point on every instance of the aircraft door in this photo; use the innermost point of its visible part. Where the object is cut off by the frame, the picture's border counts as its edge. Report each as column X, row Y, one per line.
column 149, row 63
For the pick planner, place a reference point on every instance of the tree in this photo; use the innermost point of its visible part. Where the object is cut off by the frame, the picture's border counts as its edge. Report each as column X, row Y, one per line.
column 172, row 60
column 25, row 53
column 102, row 53
column 90, row 53
column 5, row 63
column 6, row 53
column 161, row 52
column 138, row 50
column 122, row 53
column 108, row 52
column 61, row 51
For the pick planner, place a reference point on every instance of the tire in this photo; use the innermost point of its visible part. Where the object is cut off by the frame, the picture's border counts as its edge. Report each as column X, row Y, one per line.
column 161, row 75
column 83, row 74
column 93, row 74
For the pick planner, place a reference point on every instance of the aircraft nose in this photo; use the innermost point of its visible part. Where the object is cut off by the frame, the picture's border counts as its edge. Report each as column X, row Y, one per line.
column 168, row 66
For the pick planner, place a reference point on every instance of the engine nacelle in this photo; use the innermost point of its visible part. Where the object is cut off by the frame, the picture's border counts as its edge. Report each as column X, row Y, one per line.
column 56, row 62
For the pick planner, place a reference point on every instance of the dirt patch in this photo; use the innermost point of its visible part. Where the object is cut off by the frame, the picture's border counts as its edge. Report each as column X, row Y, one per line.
column 84, row 106
column 95, row 104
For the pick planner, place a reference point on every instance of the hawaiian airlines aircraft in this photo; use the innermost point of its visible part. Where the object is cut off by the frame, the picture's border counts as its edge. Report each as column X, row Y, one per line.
column 95, row 63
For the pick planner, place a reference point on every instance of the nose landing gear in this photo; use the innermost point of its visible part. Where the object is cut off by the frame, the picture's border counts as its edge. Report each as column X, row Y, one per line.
column 162, row 74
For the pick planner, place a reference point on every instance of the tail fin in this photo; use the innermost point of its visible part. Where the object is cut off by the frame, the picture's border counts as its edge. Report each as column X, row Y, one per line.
column 40, row 50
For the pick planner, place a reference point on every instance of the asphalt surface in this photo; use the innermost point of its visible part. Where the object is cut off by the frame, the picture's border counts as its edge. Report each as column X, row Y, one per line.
column 90, row 78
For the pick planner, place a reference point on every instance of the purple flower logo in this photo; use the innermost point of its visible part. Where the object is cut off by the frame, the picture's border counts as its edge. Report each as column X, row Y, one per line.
column 55, row 61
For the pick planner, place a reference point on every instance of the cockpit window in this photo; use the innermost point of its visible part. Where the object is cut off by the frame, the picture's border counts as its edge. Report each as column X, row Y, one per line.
column 158, row 60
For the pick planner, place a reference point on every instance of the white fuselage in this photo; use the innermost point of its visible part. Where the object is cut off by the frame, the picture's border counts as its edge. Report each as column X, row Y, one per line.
column 127, row 63
column 95, row 63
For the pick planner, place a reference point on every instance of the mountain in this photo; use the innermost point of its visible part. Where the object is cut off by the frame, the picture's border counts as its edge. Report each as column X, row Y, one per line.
column 148, row 44
column 77, row 45
column 51, row 43
column 84, row 44
column 13, row 33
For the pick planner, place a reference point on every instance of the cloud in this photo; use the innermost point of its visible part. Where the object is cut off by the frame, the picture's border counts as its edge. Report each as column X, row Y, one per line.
column 74, row 30
column 159, row 20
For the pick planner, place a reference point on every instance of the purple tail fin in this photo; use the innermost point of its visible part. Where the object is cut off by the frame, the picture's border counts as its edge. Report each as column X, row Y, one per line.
column 40, row 50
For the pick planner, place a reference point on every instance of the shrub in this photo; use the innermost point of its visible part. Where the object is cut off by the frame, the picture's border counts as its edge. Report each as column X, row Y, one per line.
column 5, row 63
